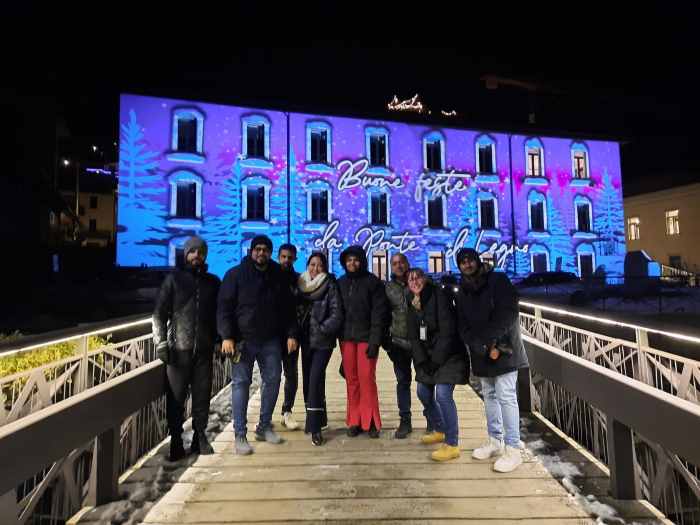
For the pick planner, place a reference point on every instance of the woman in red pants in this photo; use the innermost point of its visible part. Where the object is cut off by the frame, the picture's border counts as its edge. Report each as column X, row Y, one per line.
column 366, row 319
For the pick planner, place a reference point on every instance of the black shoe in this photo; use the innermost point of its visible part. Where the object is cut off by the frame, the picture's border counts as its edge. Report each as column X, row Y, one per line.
column 317, row 439
column 373, row 432
column 177, row 450
column 354, row 431
column 404, row 429
column 201, row 445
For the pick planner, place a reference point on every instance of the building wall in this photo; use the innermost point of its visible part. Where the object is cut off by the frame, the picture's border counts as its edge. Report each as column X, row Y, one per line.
column 651, row 210
column 148, row 233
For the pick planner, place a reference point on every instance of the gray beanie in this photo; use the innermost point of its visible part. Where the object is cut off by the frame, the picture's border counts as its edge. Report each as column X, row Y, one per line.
column 194, row 243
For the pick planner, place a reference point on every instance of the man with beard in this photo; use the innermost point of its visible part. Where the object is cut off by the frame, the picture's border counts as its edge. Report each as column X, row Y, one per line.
column 184, row 332
column 255, row 312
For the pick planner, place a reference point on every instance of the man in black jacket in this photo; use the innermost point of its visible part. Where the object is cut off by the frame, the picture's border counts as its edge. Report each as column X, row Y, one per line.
column 256, row 311
column 366, row 319
column 184, row 332
column 287, row 256
column 487, row 315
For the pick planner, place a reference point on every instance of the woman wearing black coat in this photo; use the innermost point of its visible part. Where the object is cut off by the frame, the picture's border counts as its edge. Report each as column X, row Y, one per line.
column 320, row 315
column 440, row 360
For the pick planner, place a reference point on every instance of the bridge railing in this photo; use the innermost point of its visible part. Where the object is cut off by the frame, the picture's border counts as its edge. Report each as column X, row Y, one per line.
column 634, row 407
column 70, row 428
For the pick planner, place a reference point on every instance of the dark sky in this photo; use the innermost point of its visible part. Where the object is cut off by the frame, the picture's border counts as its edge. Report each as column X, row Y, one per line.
column 629, row 77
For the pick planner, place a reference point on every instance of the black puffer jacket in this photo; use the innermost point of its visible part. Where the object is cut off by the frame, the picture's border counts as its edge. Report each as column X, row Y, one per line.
column 321, row 315
column 442, row 359
column 364, row 302
column 256, row 305
column 185, row 311
column 487, row 313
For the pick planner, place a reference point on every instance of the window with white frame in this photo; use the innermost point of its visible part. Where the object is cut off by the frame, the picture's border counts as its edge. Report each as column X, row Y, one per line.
column 380, row 264
column 188, row 130
column 436, row 262
column 586, row 260
column 379, row 207
column 488, row 212
column 319, row 206
column 256, row 137
column 534, row 160
column 434, row 152
column 584, row 212
column 185, row 195
column 579, row 161
column 256, row 198
column 256, row 140
column 318, row 142
column 318, row 201
column 485, row 155
column 539, row 259
column 633, row 228
column 186, row 200
column 672, row 223
column 537, row 211
column 187, row 135
column 377, row 146
column 435, row 209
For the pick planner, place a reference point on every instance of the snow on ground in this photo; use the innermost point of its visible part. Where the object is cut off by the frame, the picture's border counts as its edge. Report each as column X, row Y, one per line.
column 140, row 496
column 537, row 448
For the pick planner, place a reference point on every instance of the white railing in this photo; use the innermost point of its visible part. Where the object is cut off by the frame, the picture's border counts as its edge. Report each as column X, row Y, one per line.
column 63, row 485
column 669, row 481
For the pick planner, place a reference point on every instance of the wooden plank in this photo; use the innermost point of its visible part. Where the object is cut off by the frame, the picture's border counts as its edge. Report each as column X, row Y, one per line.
column 323, row 489
column 367, row 509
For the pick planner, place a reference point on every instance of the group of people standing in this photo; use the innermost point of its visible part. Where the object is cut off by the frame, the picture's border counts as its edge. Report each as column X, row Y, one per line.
column 264, row 311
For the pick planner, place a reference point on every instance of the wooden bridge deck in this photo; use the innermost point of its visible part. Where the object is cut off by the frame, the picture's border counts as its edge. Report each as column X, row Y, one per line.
column 385, row 480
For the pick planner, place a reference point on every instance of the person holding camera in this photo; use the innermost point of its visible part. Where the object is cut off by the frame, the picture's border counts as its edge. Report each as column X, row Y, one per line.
column 487, row 315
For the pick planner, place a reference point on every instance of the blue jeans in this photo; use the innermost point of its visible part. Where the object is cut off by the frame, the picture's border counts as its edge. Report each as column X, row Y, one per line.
column 441, row 410
column 501, row 404
column 402, row 370
column 269, row 360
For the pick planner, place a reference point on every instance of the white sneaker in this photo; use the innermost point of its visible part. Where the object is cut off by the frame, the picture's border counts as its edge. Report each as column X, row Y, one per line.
column 289, row 422
column 493, row 447
column 510, row 460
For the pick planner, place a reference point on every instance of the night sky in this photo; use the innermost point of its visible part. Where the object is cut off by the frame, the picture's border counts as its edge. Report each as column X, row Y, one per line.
column 623, row 77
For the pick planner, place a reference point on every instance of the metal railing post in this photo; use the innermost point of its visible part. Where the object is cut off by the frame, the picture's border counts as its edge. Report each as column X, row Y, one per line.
column 624, row 483
column 104, row 476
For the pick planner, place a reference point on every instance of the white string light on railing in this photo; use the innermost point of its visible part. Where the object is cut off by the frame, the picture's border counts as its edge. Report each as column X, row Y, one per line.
column 612, row 322
column 131, row 324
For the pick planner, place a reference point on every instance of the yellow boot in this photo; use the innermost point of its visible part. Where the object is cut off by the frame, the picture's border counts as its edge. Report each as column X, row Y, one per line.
column 445, row 453
column 433, row 438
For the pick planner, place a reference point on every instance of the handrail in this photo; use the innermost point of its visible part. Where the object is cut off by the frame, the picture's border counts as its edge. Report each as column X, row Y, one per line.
column 51, row 433
column 623, row 398
column 32, row 342
column 611, row 322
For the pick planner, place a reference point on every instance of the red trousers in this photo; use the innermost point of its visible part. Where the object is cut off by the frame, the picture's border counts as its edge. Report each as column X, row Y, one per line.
column 361, row 381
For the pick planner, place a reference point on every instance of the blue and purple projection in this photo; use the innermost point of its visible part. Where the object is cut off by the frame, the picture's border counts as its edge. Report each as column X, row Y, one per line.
column 528, row 204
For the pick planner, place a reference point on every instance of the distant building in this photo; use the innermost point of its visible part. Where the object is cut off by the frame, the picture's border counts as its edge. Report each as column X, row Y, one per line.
column 666, row 225
column 96, row 213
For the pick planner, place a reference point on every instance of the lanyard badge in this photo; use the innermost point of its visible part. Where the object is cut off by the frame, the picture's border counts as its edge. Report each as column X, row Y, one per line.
column 423, row 332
